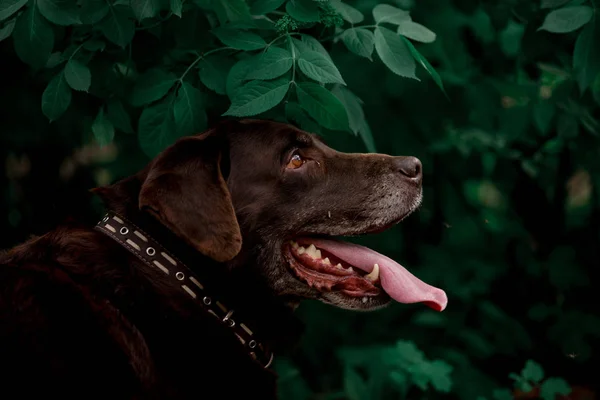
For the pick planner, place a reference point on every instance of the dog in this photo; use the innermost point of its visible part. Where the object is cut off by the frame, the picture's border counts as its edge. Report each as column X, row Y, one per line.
column 187, row 287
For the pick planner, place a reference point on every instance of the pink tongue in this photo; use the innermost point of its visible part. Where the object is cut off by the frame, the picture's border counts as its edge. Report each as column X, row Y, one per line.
column 397, row 282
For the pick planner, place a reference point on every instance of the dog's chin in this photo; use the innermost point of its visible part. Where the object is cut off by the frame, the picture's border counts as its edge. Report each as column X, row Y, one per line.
column 344, row 301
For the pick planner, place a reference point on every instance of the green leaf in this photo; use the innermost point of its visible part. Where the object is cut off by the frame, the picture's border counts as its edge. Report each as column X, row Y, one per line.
column 415, row 31
column 188, row 110
column 176, row 7
column 94, row 45
column 384, row 13
column 303, row 10
column 552, row 387
column 92, row 11
column 156, row 128
column 367, row 136
column 395, row 53
column 240, row 40
column 532, row 372
column 55, row 59
column 502, row 394
column 261, row 7
column 56, row 98
column 271, row 64
column 295, row 113
column 118, row 27
column 237, row 75
column 347, row 12
column 567, row 126
column 353, row 106
column 553, row 3
column 543, row 114
column 254, row 23
column 360, row 41
column 309, row 43
column 119, row 117
column 354, row 386
column 436, row 372
column 318, row 67
column 596, row 90
column 400, row 380
column 103, row 129
column 425, row 64
column 323, row 106
column 586, row 57
column 9, row 7
column 143, row 9
column 231, row 10
column 511, row 38
column 540, row 312
column 530, row 168
column 213, row 72
column 567, row 19
column 60, row 12
column 256, row 97
column 152, row 86
column 33, row 38
column 7, row 29
column 407, row 353
column 515, row 377
column 356, row 116
column 525, row 386
column 554, row 146
column 78, row 76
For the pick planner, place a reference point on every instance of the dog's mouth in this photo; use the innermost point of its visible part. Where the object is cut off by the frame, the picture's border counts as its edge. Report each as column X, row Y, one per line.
column 330, row 265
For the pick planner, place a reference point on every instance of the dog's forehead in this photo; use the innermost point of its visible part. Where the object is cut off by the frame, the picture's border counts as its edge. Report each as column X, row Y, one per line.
column 311, row 139
column 276, row 136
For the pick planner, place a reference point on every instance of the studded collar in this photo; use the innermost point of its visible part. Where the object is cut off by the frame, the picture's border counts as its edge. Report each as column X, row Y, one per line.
column 154, row 255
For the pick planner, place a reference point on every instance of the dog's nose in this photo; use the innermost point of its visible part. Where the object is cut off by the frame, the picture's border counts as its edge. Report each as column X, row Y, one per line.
column 409, row 166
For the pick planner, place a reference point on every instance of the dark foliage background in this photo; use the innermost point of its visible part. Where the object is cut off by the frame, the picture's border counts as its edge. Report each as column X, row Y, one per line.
column 507, row 132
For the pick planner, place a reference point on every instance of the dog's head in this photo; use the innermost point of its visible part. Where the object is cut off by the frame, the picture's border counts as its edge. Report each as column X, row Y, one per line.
column 264, row 195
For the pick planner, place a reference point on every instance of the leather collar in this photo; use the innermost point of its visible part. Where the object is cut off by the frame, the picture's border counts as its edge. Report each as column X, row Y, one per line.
column 154, row 255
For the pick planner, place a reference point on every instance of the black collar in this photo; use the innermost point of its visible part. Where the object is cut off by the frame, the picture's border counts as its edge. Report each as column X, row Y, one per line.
column 155, row 256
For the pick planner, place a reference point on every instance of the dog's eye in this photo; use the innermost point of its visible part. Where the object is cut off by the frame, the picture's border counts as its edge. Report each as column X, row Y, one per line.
column 296, row 162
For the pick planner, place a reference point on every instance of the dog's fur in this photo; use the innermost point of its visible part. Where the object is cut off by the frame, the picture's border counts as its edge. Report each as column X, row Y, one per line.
column 80, row 317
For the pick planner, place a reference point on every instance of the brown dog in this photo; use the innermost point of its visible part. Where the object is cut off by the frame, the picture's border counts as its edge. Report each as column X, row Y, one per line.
column 186, row 289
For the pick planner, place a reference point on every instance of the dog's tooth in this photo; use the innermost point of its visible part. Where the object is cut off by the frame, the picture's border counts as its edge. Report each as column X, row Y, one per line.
column 365, row 299
column 318, row 254
column 326, row 261
column 373, row 275
column 349, row 269
column 301, row 250
column 311, row 251
column 294, row 244
column 339, row 266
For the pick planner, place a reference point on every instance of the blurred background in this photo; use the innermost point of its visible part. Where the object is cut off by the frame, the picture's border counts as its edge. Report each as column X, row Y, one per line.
column 510, row 225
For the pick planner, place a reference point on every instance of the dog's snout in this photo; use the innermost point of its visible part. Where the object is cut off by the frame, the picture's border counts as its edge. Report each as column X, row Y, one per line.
column 409, row 166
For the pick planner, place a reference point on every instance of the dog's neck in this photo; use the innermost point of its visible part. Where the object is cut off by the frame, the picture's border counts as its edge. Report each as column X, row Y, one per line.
column 238, row 284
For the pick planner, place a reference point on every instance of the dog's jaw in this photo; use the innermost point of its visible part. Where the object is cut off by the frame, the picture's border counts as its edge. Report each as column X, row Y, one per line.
column 274, row 260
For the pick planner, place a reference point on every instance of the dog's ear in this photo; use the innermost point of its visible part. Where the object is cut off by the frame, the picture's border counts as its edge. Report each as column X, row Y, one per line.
column 186, row 191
